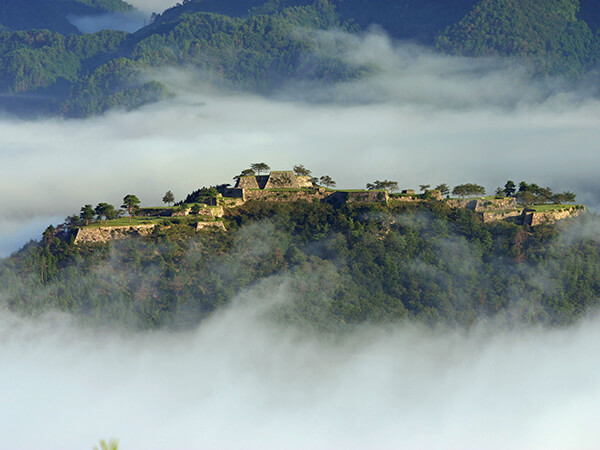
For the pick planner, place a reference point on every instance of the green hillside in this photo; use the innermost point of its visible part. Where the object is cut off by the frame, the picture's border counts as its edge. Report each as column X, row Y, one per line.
column 547, row 33
column 346, row 265
column 256, row 46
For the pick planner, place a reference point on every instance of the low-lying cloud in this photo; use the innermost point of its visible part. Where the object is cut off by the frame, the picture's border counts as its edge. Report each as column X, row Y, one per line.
column 239, row 381
column 129, row 22
column 150, row 6
column 421, row 118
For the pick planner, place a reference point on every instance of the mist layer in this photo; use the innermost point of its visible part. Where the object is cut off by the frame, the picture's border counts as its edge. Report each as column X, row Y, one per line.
column 239, row 381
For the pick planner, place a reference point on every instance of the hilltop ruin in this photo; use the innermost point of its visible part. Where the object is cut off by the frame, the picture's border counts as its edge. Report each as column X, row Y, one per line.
column 286, row 186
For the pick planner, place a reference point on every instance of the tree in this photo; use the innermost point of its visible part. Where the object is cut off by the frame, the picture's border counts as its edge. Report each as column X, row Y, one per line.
column 383, row 185
column 302, row 171
column 443, row 188
column 130, row 202
column 168, row 198
column 327, row 181
column 245, row 173
column 260, row 167
column 113, row 444
column 424, row 187
column 49, row 234
column 510, row 188
column 468, row 190
column 105, row 211
column 526, row 197
column 565, row 197
column 87, row 213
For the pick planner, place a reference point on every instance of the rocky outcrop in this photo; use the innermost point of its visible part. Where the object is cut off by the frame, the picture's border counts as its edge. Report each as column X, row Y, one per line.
column 104, row 234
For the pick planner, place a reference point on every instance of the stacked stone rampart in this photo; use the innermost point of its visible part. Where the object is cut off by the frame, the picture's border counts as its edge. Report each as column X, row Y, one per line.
column 282, row 179
column 287, row 196
column 210, row 225
column 538, row 218
column 487, row 204
column 105, row 234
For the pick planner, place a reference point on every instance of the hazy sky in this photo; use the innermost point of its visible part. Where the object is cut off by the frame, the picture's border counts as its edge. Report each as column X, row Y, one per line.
column 424, row 119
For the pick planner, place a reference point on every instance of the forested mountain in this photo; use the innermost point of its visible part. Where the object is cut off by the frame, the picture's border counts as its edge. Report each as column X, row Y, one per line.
column 256, row 45
column 546, row 32
column 362, row 263
column 53, row 14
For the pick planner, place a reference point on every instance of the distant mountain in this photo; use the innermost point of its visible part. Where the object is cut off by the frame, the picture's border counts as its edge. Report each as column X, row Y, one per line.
column 52, row 14
column 255, row 45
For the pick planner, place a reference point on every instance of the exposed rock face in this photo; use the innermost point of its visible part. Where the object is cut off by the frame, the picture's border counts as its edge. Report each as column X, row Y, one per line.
column 105, row 234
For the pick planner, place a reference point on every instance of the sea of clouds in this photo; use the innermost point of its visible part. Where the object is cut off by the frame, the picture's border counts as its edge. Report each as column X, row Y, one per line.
column 239, row 381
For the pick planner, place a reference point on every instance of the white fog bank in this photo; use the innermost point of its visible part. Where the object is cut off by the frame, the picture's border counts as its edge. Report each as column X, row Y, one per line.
column 239, row 382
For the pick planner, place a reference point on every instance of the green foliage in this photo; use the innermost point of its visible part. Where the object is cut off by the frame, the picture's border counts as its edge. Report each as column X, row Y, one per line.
column 260, row 45
column 383, row 185
column 468, row 190
column 203, row 195
column 346, row 265
column 545, row 32
column 112, row 444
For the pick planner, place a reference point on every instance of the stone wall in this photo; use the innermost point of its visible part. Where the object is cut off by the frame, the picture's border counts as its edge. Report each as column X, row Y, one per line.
column 282, row 179
column 210, row 225
column 488, row 204
column 105, row 234
column 394, row 201
column 538, row 218
column 287, row 196
column 342, row 197
column 247, row 183
column 493, row 216
column 304, row 182
column 214, row 211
